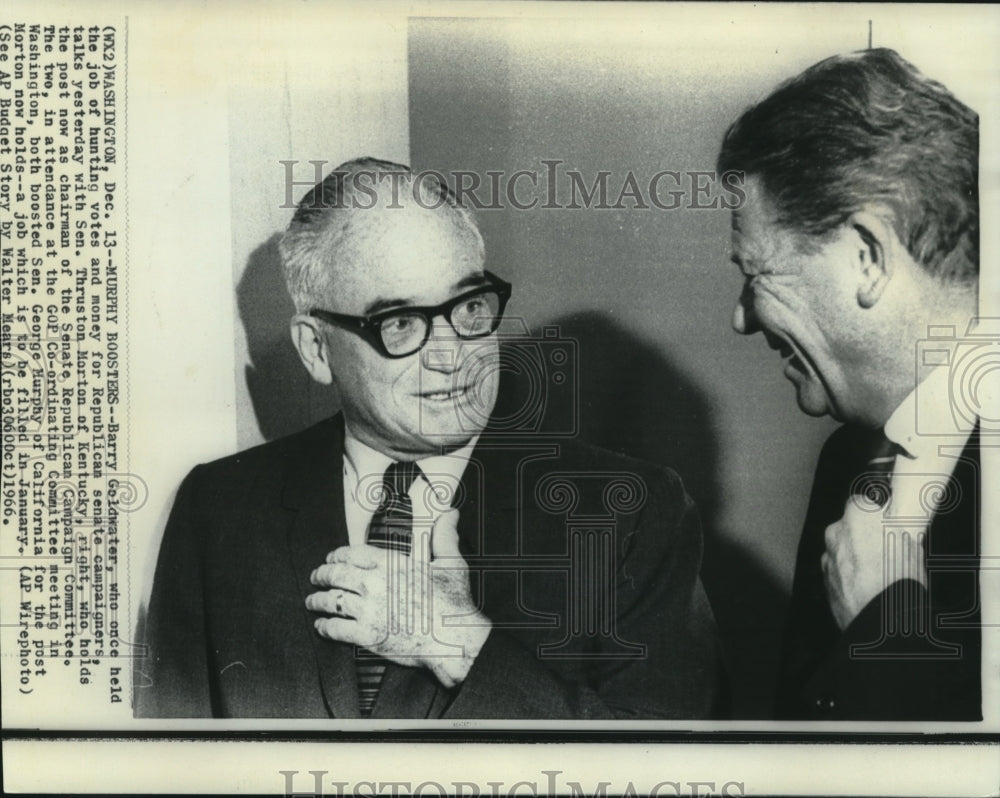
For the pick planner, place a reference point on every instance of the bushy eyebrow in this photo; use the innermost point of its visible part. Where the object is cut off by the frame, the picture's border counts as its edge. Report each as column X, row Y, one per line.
column 380, row 304
column 385, row 304
column 748, row 266
column 470, row 281
column 743, row 264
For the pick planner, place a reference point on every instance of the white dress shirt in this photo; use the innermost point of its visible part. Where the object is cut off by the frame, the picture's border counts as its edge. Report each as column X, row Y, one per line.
column 932, row 439
column 431, row 494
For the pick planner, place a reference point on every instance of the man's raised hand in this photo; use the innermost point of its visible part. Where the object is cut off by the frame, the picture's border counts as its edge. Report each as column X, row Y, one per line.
column 415, row 610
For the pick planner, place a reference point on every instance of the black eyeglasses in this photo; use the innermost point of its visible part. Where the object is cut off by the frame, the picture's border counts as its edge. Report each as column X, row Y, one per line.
column 402, row 331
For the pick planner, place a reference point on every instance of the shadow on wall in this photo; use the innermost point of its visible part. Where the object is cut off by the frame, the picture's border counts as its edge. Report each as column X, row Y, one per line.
column 284, row 397
column 633, row 400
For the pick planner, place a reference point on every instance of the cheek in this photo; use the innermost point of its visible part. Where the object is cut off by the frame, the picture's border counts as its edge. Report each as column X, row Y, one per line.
column 780, row 303
column 482, row 360
column 366, row 373
column 395, row 383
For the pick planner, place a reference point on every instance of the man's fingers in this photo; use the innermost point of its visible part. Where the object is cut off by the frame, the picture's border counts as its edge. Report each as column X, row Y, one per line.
column 360, row 556
column 831, row 536
column 347, row 630
column 342, row 629
column 346, row 577
column 338, row 602
column 444, row 541
column 859, row 510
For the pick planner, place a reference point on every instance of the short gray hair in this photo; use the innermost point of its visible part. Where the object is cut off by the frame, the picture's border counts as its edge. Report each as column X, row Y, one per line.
column 324, row 226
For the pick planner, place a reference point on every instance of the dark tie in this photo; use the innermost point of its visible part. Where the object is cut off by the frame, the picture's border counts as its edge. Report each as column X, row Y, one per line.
column 874, row 482
column 391, row 528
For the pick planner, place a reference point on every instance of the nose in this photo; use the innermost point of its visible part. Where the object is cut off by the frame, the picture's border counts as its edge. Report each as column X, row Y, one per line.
column 743, row 319
column 441, row 352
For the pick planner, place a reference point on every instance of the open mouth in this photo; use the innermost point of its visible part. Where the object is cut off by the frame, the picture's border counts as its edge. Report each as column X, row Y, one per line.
column 780, row 345
column 787, row 353
column 449, row 395
column 793, row 363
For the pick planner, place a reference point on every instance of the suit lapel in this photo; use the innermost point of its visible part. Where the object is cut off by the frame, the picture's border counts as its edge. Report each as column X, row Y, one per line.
column 956, row 529
column 315, row 490
column 487, row 513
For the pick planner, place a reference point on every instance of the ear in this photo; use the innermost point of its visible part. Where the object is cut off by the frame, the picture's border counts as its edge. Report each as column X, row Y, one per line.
column 874, row 249
column 307, row 336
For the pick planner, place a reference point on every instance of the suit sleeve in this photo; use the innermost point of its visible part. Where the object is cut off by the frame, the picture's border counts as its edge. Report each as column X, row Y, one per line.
column 660, row 605
column 172, row 679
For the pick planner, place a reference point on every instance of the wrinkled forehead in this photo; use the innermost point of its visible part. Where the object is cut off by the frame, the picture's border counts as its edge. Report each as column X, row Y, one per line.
column 759, row 242
column 756, row 210
column 756, row 221
column 405, row 250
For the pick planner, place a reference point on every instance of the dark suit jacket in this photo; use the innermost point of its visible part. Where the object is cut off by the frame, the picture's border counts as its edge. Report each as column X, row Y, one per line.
column 586, row 562
column 911, row 654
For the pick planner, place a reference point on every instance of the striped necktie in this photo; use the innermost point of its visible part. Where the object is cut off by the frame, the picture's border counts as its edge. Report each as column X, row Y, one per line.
column 391, row 528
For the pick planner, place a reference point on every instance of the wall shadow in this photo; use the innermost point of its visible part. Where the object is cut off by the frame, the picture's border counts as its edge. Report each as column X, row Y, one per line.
column 634, row 400
column 285, row 399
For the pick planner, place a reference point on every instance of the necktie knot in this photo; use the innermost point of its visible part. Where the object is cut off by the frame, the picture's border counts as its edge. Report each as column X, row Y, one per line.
column 391, row 525
column 399, row 478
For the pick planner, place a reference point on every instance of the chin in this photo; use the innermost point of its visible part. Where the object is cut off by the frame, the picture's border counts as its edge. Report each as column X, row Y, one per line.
column 451, row 430
column 810, row 403
column 449, row 441
column 815, row 412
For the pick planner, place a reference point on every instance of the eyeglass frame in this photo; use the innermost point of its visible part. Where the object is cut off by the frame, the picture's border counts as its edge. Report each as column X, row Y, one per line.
column 367, row 327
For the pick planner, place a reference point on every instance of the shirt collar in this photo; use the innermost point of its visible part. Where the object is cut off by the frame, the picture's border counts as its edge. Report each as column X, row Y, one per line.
column 360, row 460
column 924, row 420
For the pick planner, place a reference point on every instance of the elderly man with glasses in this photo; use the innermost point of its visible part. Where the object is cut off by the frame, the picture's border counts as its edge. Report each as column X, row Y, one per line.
column 415, row 556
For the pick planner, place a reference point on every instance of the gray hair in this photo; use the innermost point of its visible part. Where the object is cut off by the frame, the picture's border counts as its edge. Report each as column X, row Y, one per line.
column 868, row 127
column 327, row 224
